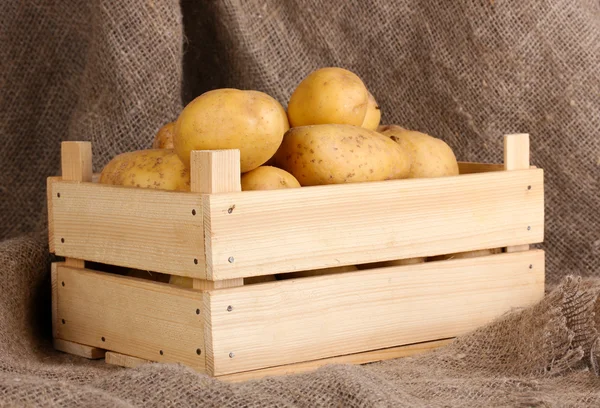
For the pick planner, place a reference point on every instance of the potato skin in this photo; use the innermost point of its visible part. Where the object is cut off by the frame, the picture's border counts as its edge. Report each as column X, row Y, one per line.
column 467, row 254
column 328, row 95
column 335, row 154
column 228, row 118
column 319, row 272
column 373, row 115
column 431, row 157
column 397, row 262
column 268, row 178
column 153, row 168
column 164, row 137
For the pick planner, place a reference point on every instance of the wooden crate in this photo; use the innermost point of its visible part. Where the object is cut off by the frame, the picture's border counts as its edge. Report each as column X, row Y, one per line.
column 219, row 236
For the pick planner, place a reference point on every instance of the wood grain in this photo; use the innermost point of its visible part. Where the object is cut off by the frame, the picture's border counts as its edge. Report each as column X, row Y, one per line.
column 132, row 316
column 358, row 358
column 213, row 172
column 305, row 319
column 133, row 227
column 81, row 350
column 76, row 165
column 49, row 182
column 54, row 299
column 124, row 360
column 516, row 157
column 471, row 167
column 279, row 231
column 76, row 161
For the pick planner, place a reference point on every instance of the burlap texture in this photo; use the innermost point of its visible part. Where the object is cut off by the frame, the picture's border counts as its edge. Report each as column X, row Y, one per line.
column 468, row 72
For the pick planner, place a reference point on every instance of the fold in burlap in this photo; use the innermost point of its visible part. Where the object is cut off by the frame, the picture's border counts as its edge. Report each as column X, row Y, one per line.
column 468, row 72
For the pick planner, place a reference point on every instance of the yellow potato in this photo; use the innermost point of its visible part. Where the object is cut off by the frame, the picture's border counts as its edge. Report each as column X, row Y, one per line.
column 154, row 168
column 153, row 276
column 334, row 154
column 186, row 282
column 268, row 178
column 397, row 262
column 164, row 137
column 373, row 115
column 227, row 118
column 319, row 272
column 431, row 157
column 467, row 254
column 182, row 281
column 328, row 95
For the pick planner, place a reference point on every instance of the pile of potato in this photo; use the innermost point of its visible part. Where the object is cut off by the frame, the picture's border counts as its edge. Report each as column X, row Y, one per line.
column 330, row 134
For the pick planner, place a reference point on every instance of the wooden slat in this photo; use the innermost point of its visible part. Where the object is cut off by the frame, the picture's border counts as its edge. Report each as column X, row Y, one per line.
column 516, row 157
column 324, row 226
column 76, row 161
column 297, row 320
column 131, row 316
column 76, row 165
column 471, row 167
column 133, row 227
column 213, row 172
column 358, row 358
column 124, row 360
column 49, row 182
column 54, row 299
column 81, row 350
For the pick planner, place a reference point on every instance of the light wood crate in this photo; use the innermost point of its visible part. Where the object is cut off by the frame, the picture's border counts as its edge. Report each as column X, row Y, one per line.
column 219, row 236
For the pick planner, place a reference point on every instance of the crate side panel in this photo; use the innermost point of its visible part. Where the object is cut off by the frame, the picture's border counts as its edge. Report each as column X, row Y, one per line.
column 131, row 316
column 264, row 232
column 160, row 231
column 311, row 318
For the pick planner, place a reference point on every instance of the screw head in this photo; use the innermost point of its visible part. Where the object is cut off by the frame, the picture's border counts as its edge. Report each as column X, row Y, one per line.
column 231, row 355
column 229, row 308
column 193, row 212
column 161, row 353
column 528, row 228
column 528, row 187
column 231, row 259
column 196, row 261
column 530, row 266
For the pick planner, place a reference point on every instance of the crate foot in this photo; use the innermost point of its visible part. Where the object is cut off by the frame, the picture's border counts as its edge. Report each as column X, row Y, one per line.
column 357, row 358
column 81, row 350
column 124, row 360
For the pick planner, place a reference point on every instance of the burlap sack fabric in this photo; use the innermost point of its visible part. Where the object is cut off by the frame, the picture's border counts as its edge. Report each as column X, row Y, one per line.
column 113, row 72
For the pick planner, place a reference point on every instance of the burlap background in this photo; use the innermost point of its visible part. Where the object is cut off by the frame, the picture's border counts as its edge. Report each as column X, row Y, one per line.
column 113, row 72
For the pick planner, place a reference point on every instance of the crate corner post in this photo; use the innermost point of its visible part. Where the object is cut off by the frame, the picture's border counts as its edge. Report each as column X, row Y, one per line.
column 516, row 157
column 213, row 172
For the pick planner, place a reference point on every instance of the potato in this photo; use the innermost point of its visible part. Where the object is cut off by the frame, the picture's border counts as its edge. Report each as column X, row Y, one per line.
column 153, row 276
column 319, row 272
column 373, row 115
column 268, row 178
column 154, row 168
column 333, row 154
column 182, row 281
column 329, row 95
column 228, row 118
column 164, row 137
column 467, row 254
column 397, row 262
column 431, row 157
column 186, row 282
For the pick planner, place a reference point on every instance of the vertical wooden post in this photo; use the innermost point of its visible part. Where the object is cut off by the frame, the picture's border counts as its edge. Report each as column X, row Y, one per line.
column 516, row 157
column 212, row 172
column 76, row 164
